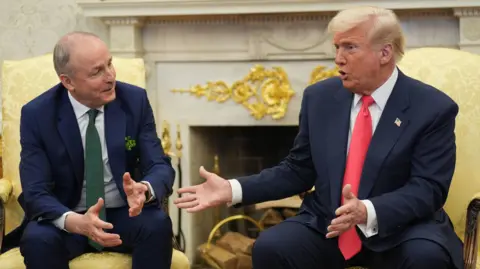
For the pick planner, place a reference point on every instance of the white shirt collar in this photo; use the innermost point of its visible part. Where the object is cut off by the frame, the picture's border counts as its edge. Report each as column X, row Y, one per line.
column 79, row 108
column 381, row 95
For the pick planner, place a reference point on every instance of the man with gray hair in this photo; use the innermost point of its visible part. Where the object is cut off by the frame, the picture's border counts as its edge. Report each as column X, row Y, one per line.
column 381, row 161
column 93, row 172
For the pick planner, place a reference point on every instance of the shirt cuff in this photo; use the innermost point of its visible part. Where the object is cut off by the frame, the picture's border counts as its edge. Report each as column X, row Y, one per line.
column 152, row 192
column 236, row 192
column 60, row 222
column 371, row 227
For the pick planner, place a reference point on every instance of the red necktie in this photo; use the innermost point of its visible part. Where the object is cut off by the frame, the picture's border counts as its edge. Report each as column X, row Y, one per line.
column 349, row 242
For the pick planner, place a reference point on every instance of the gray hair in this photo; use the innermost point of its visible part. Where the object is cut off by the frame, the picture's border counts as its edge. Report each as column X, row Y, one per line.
column 62, row 51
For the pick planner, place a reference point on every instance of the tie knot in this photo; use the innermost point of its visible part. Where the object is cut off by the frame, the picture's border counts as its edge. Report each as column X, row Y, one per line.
column 92, row 114
column 367, row 100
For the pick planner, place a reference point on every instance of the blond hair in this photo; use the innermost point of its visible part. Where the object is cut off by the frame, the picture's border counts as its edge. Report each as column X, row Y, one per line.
column 385, row 26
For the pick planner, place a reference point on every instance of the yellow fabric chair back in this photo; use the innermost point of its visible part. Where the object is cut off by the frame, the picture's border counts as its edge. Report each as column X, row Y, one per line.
column 21, row 82
column 457, row 73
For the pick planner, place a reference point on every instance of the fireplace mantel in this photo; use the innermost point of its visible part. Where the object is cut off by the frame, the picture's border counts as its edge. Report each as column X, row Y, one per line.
column 130, row 22
column 149, row 8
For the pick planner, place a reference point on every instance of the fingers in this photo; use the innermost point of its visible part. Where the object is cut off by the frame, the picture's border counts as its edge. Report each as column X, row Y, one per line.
column 105, row 239
column 332, row 234
column 338, row 228
column 345, row 209
column 188, row 205
column 126, row 177
column 189, row 189
column 140, row 188
column 184, row 199
column 134, row 211
column 100, row 224
column 347, row 192
column 128, row 184
column 204, row 173
column 136, row 205
column 95, row 209
column 127, row 180
column 196, row 209
column 346, row 218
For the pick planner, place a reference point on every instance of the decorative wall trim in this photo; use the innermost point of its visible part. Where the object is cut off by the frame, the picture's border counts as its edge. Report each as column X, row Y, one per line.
column 467, row 12
column 279, row 18
column 148, row 8
column 137, row 21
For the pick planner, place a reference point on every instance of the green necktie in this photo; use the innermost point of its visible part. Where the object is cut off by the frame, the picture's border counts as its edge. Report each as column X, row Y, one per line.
column 94, row 168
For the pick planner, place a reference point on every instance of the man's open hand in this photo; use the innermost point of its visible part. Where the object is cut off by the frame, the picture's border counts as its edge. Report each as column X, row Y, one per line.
column 211, row 193
column 351, row 213
column 135, row 195
column 91, row 226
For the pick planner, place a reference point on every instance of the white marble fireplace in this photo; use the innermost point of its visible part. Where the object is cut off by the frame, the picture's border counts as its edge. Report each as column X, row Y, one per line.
column 191, row 42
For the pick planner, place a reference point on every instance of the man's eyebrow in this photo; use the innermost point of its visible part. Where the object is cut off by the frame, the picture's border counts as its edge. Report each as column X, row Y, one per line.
column 99, row 65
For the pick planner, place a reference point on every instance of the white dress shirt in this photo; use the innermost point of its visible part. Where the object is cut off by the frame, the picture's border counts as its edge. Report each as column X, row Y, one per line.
column 113, row 198
column 380, row 96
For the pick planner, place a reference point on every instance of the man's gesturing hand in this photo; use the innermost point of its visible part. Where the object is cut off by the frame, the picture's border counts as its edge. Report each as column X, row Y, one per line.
column 351, row 213
column 135, row 194
column 213, row 192
column 91, row 226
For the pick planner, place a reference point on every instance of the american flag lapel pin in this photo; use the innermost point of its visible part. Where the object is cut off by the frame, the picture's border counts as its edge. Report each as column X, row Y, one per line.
column 398, row 122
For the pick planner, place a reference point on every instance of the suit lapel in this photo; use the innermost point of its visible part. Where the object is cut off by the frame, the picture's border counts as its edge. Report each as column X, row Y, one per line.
column 70, row 134
column 337, row 138
column 115, row 129
column 386, row 135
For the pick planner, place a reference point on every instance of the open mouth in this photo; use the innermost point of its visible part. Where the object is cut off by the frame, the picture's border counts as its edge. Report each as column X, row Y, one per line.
column 343, row 75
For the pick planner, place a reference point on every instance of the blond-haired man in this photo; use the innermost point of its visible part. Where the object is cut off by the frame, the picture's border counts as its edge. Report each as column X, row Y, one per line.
column 378, row 146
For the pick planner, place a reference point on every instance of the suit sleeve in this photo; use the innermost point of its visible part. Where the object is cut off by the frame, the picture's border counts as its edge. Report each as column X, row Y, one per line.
column 432, row 167
column 155, row 165
column 294, row 175
column 35, row 173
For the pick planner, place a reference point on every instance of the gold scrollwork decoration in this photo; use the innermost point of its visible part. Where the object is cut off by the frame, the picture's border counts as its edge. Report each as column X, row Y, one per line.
column 262, row 91
column 321, row 72
column 166, row 139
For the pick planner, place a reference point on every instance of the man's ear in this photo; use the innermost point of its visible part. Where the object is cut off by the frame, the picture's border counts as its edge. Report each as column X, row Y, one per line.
column 67, row 82
column 386, row 53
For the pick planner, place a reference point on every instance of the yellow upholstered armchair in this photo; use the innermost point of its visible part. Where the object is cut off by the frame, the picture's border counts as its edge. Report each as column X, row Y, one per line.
column 21, row 82
column 457, row 73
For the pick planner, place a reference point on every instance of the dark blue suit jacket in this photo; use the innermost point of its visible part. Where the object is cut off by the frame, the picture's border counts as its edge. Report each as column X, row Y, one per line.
column 407, row 171
column 52, row 158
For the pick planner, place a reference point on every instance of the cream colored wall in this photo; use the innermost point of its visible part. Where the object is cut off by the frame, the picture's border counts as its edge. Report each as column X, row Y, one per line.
column 31, row 27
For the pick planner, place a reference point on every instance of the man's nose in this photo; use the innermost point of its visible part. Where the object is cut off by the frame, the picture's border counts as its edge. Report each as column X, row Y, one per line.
column 110, row 75
column 339, row 59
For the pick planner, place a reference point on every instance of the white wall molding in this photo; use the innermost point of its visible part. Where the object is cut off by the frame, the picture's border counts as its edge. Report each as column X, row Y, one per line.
column 107, row 8
column 469, row 29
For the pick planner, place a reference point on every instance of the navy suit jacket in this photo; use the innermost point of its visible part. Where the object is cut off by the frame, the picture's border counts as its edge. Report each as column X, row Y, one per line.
column 407, row 171
column 52, row 157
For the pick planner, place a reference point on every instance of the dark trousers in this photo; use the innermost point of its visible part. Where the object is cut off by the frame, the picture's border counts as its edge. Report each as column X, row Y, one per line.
column 148, row 237
column 293, row 245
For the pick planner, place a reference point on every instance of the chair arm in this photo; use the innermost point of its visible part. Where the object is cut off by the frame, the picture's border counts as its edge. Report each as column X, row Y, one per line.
column 5, row 190
column 470, row 250
column 302, row 195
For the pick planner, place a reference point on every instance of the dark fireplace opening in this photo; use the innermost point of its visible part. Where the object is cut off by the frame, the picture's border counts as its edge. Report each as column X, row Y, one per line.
column 231, row 152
